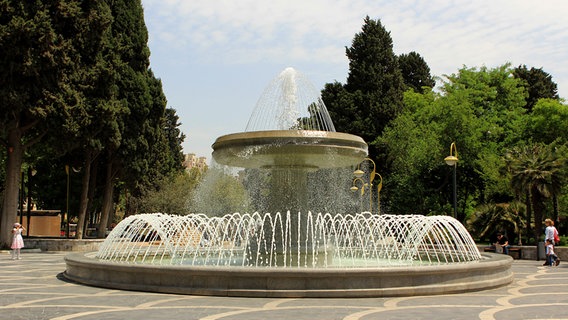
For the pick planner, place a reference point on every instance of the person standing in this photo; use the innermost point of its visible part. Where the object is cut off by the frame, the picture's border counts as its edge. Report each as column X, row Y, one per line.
column 17, row 241
column 550, row 231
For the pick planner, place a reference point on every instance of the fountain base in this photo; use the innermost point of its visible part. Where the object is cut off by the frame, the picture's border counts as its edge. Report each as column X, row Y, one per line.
column 493, row 270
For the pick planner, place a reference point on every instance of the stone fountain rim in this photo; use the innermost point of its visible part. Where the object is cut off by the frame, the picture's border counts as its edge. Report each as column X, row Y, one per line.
column 288, row 134
column 490, row 272
column 289, row 149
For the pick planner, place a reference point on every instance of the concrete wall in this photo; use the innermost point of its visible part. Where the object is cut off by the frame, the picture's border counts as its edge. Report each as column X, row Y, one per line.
column 83, row 245
column 529, row 252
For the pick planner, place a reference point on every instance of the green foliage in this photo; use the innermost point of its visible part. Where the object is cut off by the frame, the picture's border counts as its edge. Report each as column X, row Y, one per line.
column 173, row 194
column 415, row 72
column 488, row 219
column 537, row 83
column 538, row 171
column 549, row 122
column 481, row 110
column 76, row 79
column 220, row 193
column 36, row 41
column 373, row 93
column 39, row 65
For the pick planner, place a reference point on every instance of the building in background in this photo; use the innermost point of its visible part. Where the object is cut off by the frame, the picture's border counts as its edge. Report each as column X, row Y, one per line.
column 192, row 161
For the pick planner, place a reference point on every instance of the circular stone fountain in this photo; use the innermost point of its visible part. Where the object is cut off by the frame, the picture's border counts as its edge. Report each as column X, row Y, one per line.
column 295, row 253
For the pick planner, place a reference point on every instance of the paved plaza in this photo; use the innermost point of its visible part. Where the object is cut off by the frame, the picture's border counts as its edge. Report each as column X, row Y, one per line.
column 33, row 288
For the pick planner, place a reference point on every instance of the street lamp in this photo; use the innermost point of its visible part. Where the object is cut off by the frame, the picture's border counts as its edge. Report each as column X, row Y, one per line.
column 67, row 217
column 452, row 160
column 359, row 174
column 379, row 187
column 22, row 197
column 31, row 173
column 354, row 188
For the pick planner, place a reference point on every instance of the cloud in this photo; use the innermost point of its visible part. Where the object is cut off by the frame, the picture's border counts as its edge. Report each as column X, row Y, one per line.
column 235, row 31
column 199, row 41
column 241, row 31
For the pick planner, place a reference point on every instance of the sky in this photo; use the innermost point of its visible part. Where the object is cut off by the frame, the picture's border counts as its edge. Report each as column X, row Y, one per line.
column 215, row 57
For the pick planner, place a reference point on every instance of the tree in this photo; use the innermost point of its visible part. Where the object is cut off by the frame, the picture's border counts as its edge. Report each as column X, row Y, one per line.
column 415, row 72
column 538, row 172
column 548, row 122
column 488, row 219
column 220, row 193
column 173, row 195
column 481, row 110
column 163, row 158
column 39, row 60
column 538, row 84
column 341, row 107
column 128, row 40
column 88, row 124
column 373, row 94
column 174, row 139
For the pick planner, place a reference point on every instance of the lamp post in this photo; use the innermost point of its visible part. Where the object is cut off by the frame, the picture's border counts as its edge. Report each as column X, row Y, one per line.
column 67, row 203
column 22, row 195
column 359, row 174
column 379, row 187
column 31, row 173
column 452, row 160
column 355, row 188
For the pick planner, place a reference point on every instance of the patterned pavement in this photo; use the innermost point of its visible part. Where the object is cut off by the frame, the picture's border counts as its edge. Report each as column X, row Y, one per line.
column 33, row 288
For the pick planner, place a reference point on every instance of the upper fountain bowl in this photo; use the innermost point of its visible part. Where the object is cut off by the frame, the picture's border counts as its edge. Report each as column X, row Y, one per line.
column 289, row 149
column 290, row 127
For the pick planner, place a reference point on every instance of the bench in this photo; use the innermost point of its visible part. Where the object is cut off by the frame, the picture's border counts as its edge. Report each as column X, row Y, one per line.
column 515, row 252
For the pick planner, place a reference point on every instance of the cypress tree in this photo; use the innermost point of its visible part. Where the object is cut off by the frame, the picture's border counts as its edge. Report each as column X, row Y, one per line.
column 373, row 94
column 538, row 84
column 38, row 63
column 415, row 72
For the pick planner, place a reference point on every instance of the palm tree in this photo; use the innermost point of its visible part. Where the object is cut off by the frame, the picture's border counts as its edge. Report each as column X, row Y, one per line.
column 537, row 172
column 490, row 218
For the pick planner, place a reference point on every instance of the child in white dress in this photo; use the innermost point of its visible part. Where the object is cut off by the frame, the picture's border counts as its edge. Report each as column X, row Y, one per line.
column 17, row 241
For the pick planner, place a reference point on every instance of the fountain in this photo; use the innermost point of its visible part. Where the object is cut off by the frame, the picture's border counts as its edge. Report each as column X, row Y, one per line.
column 293, row 251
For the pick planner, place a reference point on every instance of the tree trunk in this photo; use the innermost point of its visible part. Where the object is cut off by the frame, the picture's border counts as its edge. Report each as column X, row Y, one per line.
column 528, row 205
column 84, row 194
column 107, row 201
column 461, row 213
column 538, row 208
column 92, row 189
column 555, row 208
column 12, row 183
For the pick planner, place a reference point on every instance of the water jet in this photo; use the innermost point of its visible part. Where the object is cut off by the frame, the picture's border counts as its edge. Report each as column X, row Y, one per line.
column 291, row 250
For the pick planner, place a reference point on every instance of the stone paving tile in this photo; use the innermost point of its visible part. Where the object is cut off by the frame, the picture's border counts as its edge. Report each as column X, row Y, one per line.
column 461, row 300
column 434, row 312
column 548, row 288
column 552, row 280
column 541, row 297
column 327, row 313
column 153, row 314
column 536, row 311
column 33, row 288
column 222, row 301
column 366, row 303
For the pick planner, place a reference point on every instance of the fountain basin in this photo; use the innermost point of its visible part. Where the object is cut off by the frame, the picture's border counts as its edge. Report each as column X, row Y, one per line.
column 493, row 270
column 289, row 149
